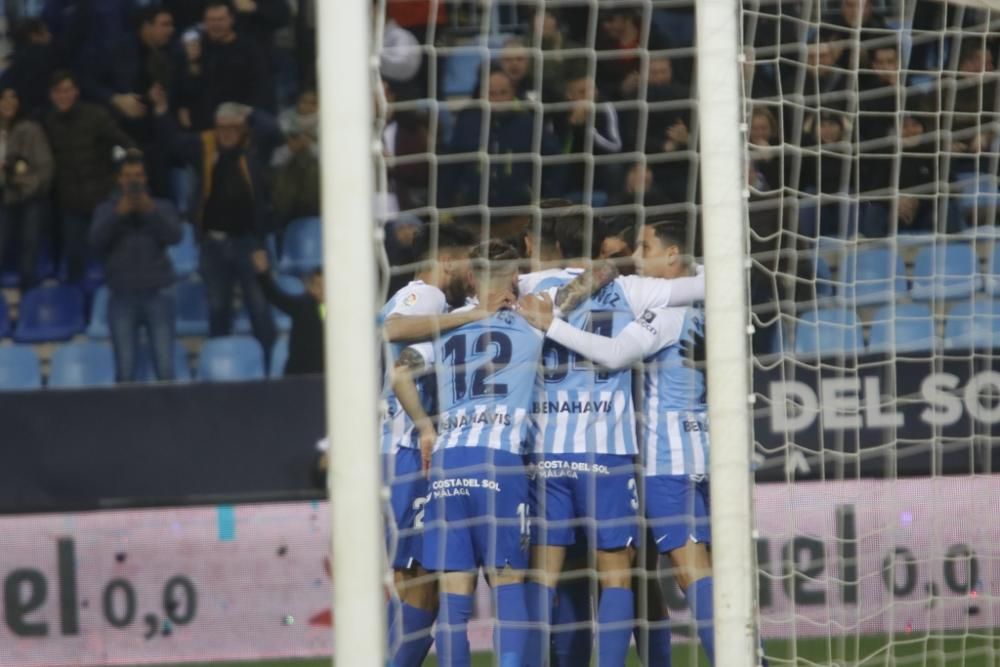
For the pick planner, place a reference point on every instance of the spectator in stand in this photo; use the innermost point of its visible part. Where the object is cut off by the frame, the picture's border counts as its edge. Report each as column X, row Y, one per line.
column 34, row 61
column 406, row 133
column 621, row 30
column 826, row 82
column 222, row 66
column 765, row 151
column 132, row 231
column 401, row 58
column 233, row 205
column 554, row 43
column 976, row 80
column 515, row 62
column 258, row 20
column 305, row 113
column 139, row 61
column 26, row 175
column 666, row 104
column 640, row 188
column 861, row 31
column 83, row 138
column 296, row 172
column 510, row 131
column 305, row 341
column 877, row 110
column 590, row 126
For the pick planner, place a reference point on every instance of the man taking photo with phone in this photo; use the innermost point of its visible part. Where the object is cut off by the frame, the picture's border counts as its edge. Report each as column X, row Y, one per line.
column 132, row 231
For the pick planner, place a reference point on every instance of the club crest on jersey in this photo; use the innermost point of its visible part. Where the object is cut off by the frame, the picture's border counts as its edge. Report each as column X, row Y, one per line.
column 646, row 321
column 410, row 299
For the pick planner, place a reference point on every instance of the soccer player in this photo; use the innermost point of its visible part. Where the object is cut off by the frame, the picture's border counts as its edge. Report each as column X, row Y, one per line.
column 584, row 448
column 674, row 420
column 418, row 309
column 477, row 511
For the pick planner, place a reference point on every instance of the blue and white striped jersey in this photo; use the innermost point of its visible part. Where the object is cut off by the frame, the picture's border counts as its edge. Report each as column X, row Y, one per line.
column 674, row 414
column 486, row 374
column 417, row 298
column 582, row 408
column 674, row 424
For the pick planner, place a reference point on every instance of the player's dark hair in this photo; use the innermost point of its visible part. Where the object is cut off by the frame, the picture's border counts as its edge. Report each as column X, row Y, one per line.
column 621, row 226
column 571, row 234
column 546, row 236
column 449, row 237
column 672, row 232
column 494, row 251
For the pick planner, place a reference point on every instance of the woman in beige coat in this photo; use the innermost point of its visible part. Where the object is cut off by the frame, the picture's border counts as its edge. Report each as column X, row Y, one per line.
column 26, row 169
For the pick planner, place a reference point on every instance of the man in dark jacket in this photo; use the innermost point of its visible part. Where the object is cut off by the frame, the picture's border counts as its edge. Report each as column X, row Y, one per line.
column 305, row 342
column 509, row 145
column 140, row 60
column 132, row 231
column 232, row 205
column 227, row 67
column 83, row 138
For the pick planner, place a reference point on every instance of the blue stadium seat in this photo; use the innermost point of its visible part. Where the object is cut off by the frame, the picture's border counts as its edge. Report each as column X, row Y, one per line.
column 192, row 309
column 50, row 314
column 98, row 328
column 828, row 331
column 993, row 270
column 945, row 271
column 45, row 267
column 19, row 368
column 184, row 255
column 904, row 327
column 302, row 250
column 872, row 276
column 973, row 324
column 146, row 372
column 279, row 356
column 231, row 358
column 87, row 364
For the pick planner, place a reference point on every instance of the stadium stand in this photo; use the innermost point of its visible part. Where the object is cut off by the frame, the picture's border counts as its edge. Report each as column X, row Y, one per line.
column 231, row 359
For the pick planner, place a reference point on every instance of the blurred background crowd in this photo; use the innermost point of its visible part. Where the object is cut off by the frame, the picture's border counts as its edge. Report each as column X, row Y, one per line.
column 160, row 168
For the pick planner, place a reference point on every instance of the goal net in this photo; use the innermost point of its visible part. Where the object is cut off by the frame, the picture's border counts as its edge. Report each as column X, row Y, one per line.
column 871, row 163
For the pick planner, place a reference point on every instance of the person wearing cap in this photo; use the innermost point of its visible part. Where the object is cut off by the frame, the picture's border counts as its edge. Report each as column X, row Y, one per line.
column 232, row 208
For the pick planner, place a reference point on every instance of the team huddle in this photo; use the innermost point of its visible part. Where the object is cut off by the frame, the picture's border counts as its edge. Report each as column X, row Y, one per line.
column 513, row 443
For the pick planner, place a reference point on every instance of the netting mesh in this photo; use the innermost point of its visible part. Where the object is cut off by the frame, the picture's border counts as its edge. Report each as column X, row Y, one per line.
column 872, row 169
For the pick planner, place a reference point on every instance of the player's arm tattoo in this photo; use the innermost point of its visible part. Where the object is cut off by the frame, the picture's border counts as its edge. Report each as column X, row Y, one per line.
column 410, row 360
column 584, row 286
column 410, row 363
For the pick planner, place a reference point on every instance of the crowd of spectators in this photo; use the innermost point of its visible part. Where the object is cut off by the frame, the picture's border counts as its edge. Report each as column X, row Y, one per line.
column 849, row 102
column 864, row 119
column 123, row 121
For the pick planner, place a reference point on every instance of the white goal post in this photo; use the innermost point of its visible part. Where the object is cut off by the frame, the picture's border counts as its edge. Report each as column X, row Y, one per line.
column 724, row 220
column 354, row 479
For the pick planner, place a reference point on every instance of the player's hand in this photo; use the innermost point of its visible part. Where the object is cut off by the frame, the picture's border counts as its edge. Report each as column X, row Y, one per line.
column 261, row 264
column 537, row 309
column 428, row 436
